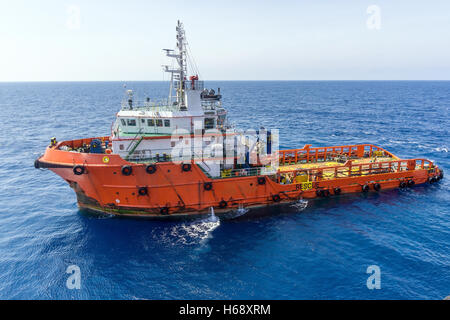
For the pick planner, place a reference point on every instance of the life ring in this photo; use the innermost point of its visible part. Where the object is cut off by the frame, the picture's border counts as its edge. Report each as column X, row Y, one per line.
column 150, row 169
column 403, row 184
column 143, row 191
column 276, row 198
column 186, row 167
column 164, row 211
column 127, row 170
column 261, row 180
column 365, row 188
column 337, row 191
column 377, row 186
column 223, row 204
column 78, row 170
column 207, row 186
column 411, row 183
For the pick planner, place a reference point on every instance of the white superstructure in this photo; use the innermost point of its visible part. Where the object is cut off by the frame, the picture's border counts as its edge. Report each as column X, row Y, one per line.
column 144, row 129
column 191, row 118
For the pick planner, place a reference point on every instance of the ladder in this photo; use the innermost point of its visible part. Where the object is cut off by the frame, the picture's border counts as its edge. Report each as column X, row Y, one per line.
column 134, row 144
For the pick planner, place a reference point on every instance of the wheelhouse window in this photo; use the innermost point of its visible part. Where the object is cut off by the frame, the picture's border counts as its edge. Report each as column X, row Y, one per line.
column 167, row 123
column 143, row 120
column 123, row 122
column 131, row 122
column 159, row 122
column 209, row 123
column 150, row 122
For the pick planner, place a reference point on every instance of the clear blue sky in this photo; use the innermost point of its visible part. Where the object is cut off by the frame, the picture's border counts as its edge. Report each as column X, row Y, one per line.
column 230, row 40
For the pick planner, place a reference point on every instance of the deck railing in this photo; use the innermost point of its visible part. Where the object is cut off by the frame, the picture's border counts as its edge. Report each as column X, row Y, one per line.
column 151, row 105
column 244, row 172
column 317, row 154
column 352, row 170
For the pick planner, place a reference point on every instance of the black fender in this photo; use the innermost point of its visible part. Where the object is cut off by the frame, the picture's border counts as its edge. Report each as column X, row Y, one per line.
column 150, row 169
column 127, row 170
column 78, row 170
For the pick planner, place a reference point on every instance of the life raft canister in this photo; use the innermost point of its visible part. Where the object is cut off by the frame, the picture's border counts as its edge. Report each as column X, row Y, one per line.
column 150, row 169
column 127, row 170
column 78, row 170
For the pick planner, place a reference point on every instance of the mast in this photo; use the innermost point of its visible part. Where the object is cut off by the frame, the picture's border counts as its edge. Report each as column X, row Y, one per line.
column 178, row 74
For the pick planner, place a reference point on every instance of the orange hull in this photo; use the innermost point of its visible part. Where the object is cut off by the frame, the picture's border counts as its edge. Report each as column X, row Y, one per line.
column 172, row 191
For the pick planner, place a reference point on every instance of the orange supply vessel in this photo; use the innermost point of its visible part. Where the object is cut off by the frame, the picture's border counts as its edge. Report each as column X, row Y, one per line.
column 181, row 157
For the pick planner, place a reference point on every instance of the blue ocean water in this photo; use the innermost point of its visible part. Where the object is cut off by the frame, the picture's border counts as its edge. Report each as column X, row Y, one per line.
column 321, row 252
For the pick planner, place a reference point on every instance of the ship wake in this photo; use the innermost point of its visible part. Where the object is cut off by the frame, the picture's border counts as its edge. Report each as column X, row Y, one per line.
column 196, row 231
column 300, row 205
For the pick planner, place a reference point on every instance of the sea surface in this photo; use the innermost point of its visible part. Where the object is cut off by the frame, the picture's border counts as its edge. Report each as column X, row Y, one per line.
column 320, row 252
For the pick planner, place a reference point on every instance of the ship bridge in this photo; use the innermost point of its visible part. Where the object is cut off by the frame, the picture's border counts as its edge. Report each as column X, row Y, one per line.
column 145, row 127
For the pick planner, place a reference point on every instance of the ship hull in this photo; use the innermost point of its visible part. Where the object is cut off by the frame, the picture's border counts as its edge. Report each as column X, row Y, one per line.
column 173, row 192
column 92, row 206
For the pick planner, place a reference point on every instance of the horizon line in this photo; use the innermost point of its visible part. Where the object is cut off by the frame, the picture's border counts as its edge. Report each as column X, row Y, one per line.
column 254, row 80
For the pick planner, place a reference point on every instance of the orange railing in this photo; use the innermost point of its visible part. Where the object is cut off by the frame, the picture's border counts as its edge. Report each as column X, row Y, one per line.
column 351, row 170
column 308, row 154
